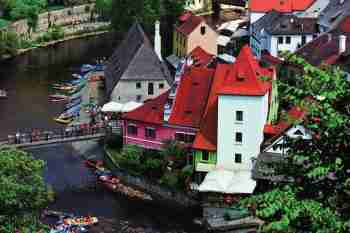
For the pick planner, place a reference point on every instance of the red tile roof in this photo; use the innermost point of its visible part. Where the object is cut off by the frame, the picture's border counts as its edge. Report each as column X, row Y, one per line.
column 246, row 76
column 151, row 112
column 191, row 97
column 201, row 55
column 279, row 5
column 345, row 24
column 206, row 138
column 185, row 16
column 189, row 25
column 266, row 56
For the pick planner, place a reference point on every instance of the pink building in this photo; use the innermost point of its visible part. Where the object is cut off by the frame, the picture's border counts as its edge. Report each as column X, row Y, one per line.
column 177, row 113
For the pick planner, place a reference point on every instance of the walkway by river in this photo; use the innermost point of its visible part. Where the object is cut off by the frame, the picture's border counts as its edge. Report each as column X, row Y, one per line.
column 27, row 79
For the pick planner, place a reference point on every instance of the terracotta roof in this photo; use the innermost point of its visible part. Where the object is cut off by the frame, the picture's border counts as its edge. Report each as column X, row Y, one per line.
column 246, row 76
column 185, row 16
column 189, row 25
column 279, row 5
column 151, row 112
column 325, row 48
column 201, row 56
column 191, row 97
column 267, row 57
column 206, row 138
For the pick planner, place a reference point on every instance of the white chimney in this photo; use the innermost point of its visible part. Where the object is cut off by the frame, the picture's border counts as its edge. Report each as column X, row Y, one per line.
column 342, row 44
column 158, row 41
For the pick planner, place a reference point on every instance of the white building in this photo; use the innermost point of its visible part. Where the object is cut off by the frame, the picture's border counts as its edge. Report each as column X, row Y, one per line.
column 135, row 71
column 199, row 6
column 277, row 32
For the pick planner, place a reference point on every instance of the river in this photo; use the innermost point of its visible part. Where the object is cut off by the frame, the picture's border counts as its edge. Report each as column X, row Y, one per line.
column 27, row 79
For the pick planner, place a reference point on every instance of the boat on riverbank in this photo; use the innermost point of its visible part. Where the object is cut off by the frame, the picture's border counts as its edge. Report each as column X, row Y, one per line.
column 3, row 94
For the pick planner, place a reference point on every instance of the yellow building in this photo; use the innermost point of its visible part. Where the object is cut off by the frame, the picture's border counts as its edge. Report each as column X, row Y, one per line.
column 192, row 32
column 199, row 7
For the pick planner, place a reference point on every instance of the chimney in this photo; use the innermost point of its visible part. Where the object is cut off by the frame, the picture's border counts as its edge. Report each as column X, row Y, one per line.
column 342, row 44
column 158, row 41
column 341, row 1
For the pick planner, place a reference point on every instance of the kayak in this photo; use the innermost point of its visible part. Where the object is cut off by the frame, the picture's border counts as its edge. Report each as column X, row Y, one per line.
column 63, row 120
column 72, row 103
column 81, row 221
column 87, row 68
column 109, row 179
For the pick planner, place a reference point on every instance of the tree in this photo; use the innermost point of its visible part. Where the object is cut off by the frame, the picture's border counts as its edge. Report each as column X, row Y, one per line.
column 23, row 192
column 318, row 199
column 104, row 8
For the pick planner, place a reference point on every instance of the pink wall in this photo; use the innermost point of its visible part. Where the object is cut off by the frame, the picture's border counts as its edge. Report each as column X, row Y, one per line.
column 163, row 132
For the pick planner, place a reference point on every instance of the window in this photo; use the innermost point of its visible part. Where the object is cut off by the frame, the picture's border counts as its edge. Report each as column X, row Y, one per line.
column 150, row 89
column 239, row 137
column 138, row 85
column 205, row 155
column 132, row 129
column 280, row 39
column 288, row 39
column 239, row 115
column 303, row 40
column 238, row 158
column 203, row 30
column 150, row 133
column 161, row 85
column 138, row 98
column 186, row 138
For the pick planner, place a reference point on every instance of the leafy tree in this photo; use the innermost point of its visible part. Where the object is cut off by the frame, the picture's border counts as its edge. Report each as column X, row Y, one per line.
column 9, row 43
column 23, row 192
column 318, row 198
column 104, row 8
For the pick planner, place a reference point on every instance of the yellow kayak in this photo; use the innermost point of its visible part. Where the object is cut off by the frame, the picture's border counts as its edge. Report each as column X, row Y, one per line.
column 82, row 221
column 63, row 121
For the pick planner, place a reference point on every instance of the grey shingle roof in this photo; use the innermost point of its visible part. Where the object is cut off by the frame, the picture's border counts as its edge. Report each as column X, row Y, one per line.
column 334, row 13
column 135, row 59
column 276, row 23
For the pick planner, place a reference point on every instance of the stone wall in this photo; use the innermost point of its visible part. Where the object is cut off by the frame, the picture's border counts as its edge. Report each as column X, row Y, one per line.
column 161, row 193
column 68, row 17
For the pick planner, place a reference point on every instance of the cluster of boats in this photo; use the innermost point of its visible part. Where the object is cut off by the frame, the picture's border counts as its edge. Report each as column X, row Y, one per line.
column 113, row 183
column 68, row 223
column 70, row 92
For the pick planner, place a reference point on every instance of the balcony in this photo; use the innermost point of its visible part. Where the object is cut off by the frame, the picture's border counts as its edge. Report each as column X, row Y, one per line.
column 205, row 167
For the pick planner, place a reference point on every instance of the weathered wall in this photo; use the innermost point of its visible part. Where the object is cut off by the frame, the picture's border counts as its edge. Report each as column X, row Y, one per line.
column 66, row 17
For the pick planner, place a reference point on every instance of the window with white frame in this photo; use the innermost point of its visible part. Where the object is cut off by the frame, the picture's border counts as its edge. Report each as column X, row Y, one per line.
column 239, row 137
column 184, row 137
column 239, row 116
column 238, row 158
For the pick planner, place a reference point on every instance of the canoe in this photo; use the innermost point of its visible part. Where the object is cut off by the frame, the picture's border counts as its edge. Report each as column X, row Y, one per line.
column 81, row 221
column 109, row 179
column 73, row 103
column 63, row 120
column 87, row 68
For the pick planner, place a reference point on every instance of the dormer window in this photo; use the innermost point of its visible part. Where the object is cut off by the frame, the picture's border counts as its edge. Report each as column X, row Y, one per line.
column 202, row 30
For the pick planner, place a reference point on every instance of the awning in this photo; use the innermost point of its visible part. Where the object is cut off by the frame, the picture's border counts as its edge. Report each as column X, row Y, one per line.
column 129, row 106
column 224, row 181
column 112, row 107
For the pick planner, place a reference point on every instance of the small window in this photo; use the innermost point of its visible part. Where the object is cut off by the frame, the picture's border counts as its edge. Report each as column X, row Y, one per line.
column 239, row 137
column 280, row 39
column 205, row 155
column 150, row 133
column 239, row 115
column 180, row 137
column 288, row 40
column 161, row 85
column 138, row 85
column 303, row 40
column 238, row 158
column 132, row 130
column 138, row 98
column 150, row 89
column 189, row 138
column 203, row 30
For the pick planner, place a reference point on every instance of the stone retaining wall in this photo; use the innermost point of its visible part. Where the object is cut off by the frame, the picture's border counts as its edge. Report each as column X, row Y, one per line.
column 158, row 192
column 67, row 17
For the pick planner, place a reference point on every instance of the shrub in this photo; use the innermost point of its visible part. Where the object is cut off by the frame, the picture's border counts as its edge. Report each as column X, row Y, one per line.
column 169, row 179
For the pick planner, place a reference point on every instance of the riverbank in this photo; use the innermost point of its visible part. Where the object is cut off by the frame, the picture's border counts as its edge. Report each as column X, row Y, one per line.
column 52, row 43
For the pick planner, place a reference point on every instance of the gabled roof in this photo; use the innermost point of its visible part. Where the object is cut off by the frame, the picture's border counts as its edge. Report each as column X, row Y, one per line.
column 188, row 26
column 135, row 59
column 276, row 23
column 279, row 5
column 246, row 76
column 206, row 138
column 325, row 48
column 334, row 13
column 201, row 56
column 150, row 112
column 191, row 97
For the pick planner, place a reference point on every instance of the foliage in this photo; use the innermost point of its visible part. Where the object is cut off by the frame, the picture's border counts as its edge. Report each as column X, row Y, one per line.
column 172, row 148
column 116, row 142
column 23, row 192
column 170, row 179
column 54, row 33
column 3, row 23
column 318, row 199
column 104, row 8
column 9, row 43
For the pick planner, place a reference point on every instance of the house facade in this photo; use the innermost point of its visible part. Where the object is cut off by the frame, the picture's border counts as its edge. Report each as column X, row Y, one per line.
column 193, row 32
column 239, row 106
column 276, row 32
column 177, row 113
column 135, row 71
